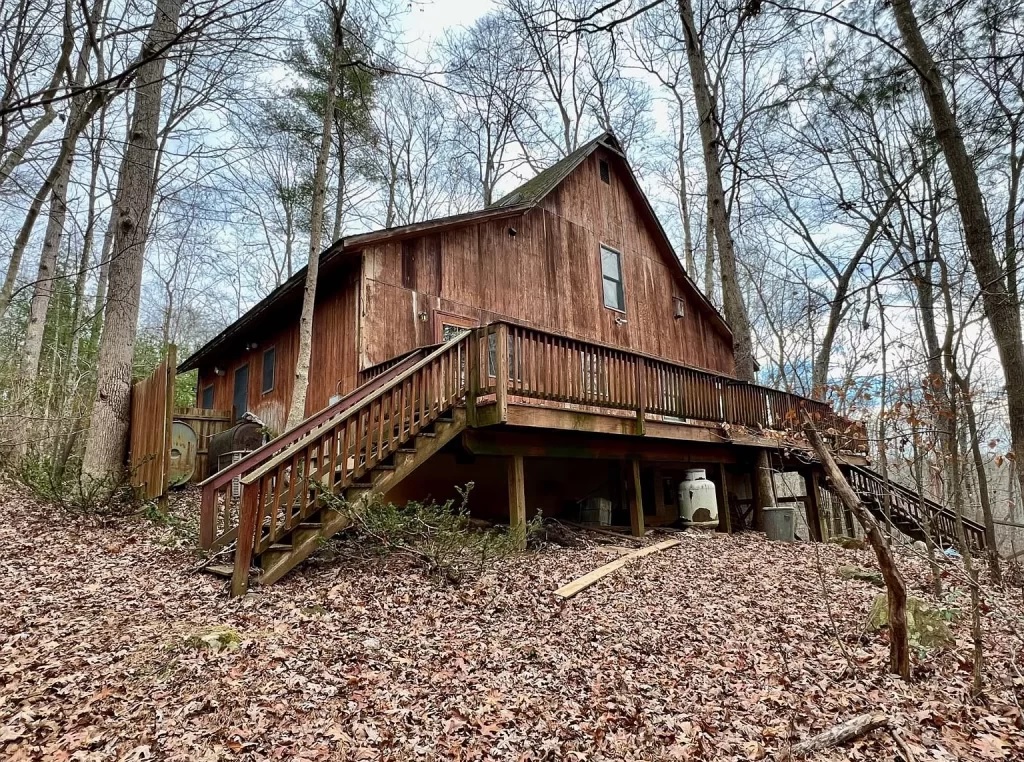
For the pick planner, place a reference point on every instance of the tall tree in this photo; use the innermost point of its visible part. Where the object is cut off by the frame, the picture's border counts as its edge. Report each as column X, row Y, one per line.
column 297, row 408
column 1002, row 310
column 108, row 432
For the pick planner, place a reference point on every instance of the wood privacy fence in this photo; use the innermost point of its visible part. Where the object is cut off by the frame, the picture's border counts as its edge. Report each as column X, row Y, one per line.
column 149, row 448
column 205, row 423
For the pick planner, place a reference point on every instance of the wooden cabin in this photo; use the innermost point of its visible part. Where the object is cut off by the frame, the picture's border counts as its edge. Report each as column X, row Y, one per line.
column 550, row 349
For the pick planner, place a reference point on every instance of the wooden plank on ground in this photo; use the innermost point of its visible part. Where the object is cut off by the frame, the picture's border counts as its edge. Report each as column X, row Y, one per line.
column 578, row 585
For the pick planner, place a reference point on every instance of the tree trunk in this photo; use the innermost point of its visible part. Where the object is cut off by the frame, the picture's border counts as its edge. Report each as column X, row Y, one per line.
column 1001, row 309
column 896, row 588
column 108, row 430
column 81, row 111
column 732, row 298
column 297, row 410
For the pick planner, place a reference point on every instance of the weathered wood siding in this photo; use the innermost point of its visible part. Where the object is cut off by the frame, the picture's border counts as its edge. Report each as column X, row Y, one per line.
column 332, row 367
column 548, row 275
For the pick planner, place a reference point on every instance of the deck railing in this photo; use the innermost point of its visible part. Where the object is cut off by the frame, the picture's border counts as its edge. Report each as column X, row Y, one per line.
column 540, row 365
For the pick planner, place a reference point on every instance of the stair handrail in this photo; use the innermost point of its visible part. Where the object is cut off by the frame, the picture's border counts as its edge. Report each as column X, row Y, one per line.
column 266, row 479
column 217, row 481
column 934, row 507
column 392, row 381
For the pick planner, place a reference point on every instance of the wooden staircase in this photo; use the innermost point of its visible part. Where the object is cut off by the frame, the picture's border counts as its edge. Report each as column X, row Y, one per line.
column 912, row 514
column 302, row 488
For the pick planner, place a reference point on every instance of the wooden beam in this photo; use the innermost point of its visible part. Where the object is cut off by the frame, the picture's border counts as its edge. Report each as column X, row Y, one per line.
column 533, row 441
column 517, row 499
column 501, row 372
column 578, row 585
column 636, row 500
column 722, row 494
column 814, row 517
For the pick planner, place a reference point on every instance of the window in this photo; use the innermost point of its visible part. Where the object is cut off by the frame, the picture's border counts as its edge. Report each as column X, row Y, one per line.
column 606, row 175
column 269, row 361
column 678, row 307
column 449, row 331
column 611, row 278
column 207, row 403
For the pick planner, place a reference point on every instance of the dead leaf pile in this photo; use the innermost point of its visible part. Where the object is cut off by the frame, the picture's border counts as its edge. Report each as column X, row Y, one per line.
column 720, row 648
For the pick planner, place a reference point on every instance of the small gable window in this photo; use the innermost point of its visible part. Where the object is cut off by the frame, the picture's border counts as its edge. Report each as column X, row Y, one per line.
column 611, row 279
column 207, row 397
column 269, row 362
column 678, row 307
column 606, row 175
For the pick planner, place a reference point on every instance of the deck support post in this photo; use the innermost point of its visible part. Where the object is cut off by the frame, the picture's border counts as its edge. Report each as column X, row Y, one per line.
column 722, row 494
column 758, row 498
column 814, row 517
column 661, row 509
column 636, row 501
column 517, row 500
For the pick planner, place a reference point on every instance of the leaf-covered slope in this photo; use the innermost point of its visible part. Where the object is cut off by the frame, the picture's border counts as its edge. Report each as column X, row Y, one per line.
column 721, row 648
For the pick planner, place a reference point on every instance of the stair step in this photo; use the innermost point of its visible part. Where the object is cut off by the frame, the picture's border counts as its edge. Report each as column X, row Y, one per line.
column 310, row 525
column 221, row 570
column 279, row 547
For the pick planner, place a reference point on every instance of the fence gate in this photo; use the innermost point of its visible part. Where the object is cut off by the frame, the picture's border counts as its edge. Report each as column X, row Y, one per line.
column 149, row 449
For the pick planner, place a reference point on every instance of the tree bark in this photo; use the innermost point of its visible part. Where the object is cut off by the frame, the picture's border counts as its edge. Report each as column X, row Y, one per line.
column 842, row 733
column 732, row 297
column 108, row 431
column 895, row 586
column 1000, row 307
column 297, row 409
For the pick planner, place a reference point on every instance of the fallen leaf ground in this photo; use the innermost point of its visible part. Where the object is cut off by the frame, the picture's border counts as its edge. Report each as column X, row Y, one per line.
column 720, row 648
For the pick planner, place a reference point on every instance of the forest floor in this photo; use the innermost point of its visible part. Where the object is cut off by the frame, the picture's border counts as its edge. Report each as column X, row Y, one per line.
column 724, row 647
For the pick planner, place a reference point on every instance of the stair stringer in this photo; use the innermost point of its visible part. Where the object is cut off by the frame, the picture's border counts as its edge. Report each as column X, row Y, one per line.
column 305, row 541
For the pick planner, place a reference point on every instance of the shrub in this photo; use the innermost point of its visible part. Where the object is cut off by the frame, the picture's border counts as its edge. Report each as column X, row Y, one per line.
column 68, row 489
column 437, row 536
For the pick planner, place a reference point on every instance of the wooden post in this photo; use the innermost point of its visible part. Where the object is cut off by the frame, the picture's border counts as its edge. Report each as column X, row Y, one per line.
column 165, row 469
column 722, row 493
column 636, row 501
column 501, row 372
column 660, row 509
column 473, row 375
column 246, row 540
column 517, row 499
column 755, row 492
column 641, row 397
column 814, row 519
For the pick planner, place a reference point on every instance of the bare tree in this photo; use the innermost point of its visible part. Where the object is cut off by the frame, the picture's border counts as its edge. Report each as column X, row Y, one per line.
column 108, row 432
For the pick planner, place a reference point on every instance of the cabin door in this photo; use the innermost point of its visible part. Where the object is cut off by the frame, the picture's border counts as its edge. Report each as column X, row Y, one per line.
column 240, row 400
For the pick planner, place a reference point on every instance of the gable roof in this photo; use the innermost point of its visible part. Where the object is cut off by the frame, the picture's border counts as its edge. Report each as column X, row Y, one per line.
column 535, row 189
column 521, row 200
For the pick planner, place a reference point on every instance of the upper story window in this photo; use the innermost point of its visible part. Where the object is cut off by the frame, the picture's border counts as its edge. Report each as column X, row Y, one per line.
column 611, row 278
column 269, row 368
column 678, row 307
column 606, row 173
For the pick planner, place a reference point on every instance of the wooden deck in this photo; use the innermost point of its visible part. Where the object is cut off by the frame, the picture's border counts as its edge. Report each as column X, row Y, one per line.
column 501, row 375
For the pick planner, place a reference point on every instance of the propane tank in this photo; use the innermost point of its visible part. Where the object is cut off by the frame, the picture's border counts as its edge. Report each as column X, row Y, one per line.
column 698, row 504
